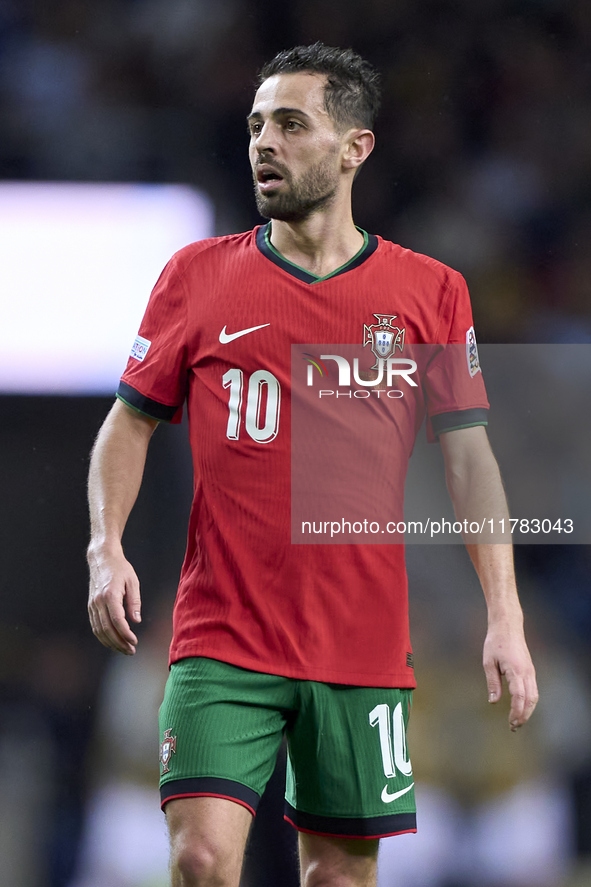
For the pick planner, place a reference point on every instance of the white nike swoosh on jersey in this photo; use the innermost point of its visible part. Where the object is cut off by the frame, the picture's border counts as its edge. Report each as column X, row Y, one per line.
column 229, row 337
column 387, row 798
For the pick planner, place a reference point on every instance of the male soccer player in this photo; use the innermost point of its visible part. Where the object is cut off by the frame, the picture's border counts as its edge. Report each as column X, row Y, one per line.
column 270, row 637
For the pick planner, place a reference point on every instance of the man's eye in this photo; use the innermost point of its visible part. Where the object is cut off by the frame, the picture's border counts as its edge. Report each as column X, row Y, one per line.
column 292, row 124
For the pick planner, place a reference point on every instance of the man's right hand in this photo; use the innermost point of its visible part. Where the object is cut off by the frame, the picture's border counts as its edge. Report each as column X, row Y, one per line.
column 113, row 583
column 116, row 469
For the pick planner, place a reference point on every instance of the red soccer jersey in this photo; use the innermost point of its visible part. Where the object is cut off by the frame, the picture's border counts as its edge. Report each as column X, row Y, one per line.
column 217, row 334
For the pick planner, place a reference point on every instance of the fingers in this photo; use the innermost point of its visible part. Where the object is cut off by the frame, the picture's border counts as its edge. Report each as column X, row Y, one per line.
column 522, row 690
column 110, row 626
column 506, row 654
column 133, row 600
column 524, row 697
column 493, row 682
column 125, row 639
column 516, row 713
column 108, row 589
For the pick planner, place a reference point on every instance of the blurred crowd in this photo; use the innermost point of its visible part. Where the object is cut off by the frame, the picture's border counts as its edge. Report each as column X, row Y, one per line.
column 483, row 157
column 483, row 160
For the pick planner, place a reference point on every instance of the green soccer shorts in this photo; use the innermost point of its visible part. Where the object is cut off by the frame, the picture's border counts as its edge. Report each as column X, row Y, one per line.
column 348, row 771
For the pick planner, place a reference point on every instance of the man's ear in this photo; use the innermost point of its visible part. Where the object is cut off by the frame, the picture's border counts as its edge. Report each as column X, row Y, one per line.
column 358, row 147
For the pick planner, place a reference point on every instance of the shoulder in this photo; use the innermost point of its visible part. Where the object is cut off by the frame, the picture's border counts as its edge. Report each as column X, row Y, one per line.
column 213, row 250
column 418, row 264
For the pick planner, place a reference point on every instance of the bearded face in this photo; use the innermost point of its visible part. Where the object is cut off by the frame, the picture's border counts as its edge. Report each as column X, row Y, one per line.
column 294, row 148
column 288, row 198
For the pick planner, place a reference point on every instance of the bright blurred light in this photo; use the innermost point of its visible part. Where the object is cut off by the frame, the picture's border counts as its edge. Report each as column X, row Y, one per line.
column 78, row 264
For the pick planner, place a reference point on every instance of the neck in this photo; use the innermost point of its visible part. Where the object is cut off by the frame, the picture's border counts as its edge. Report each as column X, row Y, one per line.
column 320, row 244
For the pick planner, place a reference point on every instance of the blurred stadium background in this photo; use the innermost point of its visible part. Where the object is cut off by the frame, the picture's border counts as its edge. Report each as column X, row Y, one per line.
column 483, row 160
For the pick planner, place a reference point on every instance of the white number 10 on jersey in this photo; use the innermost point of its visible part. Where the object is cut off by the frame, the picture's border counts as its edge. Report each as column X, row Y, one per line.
column 266, row 432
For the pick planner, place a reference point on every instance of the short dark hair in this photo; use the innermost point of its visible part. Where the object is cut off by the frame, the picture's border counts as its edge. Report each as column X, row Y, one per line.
column 352, row 93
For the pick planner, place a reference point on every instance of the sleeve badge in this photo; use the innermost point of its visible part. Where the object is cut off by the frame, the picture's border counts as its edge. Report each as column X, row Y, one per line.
column 472, row 353
column 140, row 347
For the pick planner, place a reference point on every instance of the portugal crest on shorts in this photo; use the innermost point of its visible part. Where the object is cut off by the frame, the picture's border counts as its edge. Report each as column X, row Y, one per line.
column 383, row 337
column 167, row 749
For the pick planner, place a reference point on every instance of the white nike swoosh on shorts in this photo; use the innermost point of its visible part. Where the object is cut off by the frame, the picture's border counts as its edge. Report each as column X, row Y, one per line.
column 229, row 337
column 387, row 798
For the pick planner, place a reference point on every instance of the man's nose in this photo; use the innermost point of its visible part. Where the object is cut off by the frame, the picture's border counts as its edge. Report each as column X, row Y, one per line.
column 265, row 141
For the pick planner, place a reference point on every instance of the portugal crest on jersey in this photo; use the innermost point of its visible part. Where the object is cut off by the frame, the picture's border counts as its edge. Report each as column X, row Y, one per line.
column 383, row 337
column 167, row 749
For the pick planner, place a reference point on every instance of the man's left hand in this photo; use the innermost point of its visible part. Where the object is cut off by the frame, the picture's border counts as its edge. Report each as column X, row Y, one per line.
column 506, row 653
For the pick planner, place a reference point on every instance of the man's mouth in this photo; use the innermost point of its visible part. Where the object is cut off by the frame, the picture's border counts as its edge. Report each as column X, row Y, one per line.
column 268, row 178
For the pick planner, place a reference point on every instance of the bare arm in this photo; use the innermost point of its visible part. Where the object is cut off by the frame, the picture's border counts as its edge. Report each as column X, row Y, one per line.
column 476, row 490
column 116, row 470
